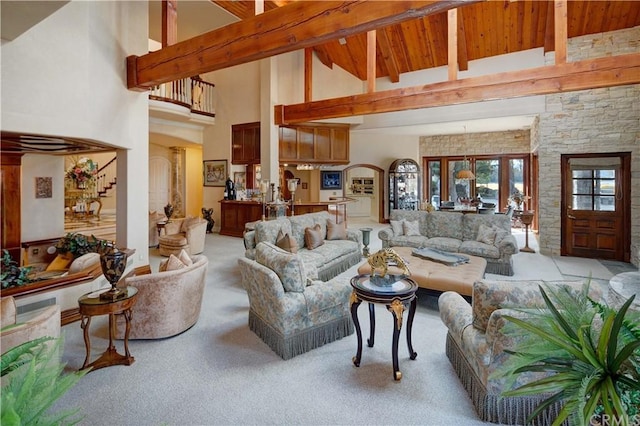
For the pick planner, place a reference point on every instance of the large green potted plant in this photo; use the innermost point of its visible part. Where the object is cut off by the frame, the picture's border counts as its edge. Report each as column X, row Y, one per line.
column 33, row 380
column 589, row 352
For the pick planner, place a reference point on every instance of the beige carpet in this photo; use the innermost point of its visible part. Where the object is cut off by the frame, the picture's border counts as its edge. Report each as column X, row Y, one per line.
column 220, row 373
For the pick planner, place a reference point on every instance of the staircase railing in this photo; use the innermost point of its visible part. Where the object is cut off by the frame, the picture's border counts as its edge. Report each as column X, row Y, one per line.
column 191, row 92
column 106, row 177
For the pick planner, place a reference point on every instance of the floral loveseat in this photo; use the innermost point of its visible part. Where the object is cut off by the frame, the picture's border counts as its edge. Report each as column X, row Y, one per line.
column 477, row 344
column 329, row 260
column 487, row 236
column 288, row 310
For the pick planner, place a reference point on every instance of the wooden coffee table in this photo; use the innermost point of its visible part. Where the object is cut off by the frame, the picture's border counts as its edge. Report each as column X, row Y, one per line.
column 438, row 277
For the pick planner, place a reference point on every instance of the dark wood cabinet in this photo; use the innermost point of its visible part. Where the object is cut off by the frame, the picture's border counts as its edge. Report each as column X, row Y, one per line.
column 245, row 143
column 314, row 143
column 235, row 214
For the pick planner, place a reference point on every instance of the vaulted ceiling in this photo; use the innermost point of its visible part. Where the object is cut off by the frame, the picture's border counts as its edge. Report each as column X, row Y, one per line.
column 485, row 29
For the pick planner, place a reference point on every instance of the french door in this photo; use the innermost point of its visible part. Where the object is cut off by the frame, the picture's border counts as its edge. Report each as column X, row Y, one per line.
column 596, row 206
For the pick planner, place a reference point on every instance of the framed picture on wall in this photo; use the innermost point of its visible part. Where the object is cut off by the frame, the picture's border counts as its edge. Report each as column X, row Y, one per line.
column 330, row 179
column 239, row 178
column 214, row 172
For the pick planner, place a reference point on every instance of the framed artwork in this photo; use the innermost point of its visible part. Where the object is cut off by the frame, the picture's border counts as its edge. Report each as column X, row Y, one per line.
column 330, row 179
column 239, row 178
column 305, row 185
column 44, row 187
column 214, row 172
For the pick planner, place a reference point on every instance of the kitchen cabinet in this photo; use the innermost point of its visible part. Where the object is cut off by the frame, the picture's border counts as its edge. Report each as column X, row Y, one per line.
column 245, row 143
column 314, row 143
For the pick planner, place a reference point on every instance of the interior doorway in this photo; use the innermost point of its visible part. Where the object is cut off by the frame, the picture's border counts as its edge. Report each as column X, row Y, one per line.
column 365, row 184
column 159, row 183
column 596, row 206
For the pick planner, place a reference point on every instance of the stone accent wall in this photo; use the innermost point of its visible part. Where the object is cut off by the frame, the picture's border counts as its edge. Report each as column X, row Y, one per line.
column 589, row 121
column 509, row 142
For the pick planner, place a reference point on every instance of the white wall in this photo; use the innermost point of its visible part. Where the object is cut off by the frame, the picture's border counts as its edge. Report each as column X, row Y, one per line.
column 67, row 76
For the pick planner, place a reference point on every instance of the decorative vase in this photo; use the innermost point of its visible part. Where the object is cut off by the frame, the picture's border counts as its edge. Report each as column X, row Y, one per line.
column 81, row 184
column 113, row 265
column 168, row 211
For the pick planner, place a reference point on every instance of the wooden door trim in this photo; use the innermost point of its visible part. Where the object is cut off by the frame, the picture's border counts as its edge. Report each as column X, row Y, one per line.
column 381, row 184
column 625, row 167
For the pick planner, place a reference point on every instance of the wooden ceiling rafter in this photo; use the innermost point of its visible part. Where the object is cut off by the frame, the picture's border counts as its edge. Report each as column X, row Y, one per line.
column 567, row 77
column 293, row 27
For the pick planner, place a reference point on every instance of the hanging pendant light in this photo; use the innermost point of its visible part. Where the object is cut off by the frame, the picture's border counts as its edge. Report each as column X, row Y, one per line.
column 466, row 173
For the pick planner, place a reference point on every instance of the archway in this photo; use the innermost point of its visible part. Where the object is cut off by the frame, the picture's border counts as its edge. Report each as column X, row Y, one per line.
column 378, row 189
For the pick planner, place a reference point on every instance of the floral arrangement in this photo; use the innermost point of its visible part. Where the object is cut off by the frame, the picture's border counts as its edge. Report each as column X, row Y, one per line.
column 427, row 206
column 519, row 198
column 83, row 171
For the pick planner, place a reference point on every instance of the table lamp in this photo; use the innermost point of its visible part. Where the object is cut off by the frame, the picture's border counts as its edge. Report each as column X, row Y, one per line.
column 292, row 185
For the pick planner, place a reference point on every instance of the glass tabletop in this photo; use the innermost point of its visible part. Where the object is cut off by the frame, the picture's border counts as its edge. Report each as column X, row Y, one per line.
column 93, row 298
column 395, row 284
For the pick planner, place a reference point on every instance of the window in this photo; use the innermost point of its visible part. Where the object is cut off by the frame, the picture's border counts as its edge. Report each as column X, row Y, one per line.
column 593, row 190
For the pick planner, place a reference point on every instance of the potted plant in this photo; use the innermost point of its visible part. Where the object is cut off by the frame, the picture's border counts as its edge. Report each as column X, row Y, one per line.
column 33, row 380
column 12, row 275
column 78, row 244
column 590, row 352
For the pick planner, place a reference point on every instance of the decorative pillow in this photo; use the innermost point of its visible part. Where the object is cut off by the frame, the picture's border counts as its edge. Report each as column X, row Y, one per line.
column 285, row 242
column 486, row 234
column 411, row 228
column 61, row 262
column 185, row 258
column 313, row 237
column 336, row 231
column 288, row 266
column 83, row 262
column 500, row 235
column 397, row 227
column 171, row 264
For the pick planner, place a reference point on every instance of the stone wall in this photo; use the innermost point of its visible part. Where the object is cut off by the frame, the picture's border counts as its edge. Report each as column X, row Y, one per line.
column 589, row 121
column 508, row 142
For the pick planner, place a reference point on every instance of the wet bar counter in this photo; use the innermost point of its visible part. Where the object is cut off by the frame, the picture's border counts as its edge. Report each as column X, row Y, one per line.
column 235, row 214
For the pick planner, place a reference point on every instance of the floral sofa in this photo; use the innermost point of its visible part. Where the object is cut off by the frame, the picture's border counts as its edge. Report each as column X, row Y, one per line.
column 330, row 259
column 477, row 343
column 487, row 236
column 291, row 312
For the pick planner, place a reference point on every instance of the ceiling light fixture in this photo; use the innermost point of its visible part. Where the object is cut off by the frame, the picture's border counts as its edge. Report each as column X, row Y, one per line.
column 342, row 41
column 466, row 172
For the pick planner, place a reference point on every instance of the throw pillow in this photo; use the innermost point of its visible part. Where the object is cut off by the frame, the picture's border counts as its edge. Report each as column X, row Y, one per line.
column 313, row 237
column 411, row 228
column 173, row 264
column 61, row 262
column 336, row 231
column 500, row 235
column 285, row 242
column 185, row 258
column 486, row 234
column 83, row 262
column 397, row 228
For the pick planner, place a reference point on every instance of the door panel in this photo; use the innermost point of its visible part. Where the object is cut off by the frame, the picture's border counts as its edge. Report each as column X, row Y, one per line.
column 596, row 206
column 159, row 183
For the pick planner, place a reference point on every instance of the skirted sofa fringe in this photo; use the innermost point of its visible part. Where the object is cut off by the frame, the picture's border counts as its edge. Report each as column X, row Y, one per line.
column 290, row 346
column 345, row 263
column 499, row 268
column 495, row 408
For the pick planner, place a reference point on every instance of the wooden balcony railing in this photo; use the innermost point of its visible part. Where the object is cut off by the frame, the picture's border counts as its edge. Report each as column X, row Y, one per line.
column 191, row 92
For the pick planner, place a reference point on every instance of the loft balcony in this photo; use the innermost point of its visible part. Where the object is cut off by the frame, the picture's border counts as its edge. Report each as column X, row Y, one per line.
column 189, row 100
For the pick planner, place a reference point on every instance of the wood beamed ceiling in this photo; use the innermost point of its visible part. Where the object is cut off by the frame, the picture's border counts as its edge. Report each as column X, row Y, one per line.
column 410, row 36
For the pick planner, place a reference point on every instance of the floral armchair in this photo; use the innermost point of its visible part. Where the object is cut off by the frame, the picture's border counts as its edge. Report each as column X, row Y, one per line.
column 290, row 310
column 477, row 344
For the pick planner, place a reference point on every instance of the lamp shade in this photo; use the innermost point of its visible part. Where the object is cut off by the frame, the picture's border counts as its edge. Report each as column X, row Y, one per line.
column 292, row 184
column 466, row 174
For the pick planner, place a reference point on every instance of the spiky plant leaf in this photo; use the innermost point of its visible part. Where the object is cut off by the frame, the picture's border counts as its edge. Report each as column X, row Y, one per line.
column 592, row 354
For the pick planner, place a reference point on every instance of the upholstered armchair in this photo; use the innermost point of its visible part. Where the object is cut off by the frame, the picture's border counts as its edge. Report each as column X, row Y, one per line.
column 168, row 302
column 183, row 234
column 289, row 310
column 478, row 346
column 44, row 323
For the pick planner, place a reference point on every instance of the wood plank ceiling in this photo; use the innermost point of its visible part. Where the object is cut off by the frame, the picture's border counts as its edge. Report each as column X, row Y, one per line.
column 485, row 29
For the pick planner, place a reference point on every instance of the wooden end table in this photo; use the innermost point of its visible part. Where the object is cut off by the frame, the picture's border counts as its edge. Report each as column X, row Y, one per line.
column 396, row 298
column 91, row 305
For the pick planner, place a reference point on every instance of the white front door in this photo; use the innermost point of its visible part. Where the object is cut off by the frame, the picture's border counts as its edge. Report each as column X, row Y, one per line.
column 159, row 183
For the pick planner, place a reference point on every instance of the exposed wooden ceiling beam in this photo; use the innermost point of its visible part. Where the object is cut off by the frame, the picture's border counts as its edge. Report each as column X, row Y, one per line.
column 452, row 46
column 169, row 22
column 463, row 54
column 388, row 57
column 588, row 74
column 371, row 61
column 291, row 27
